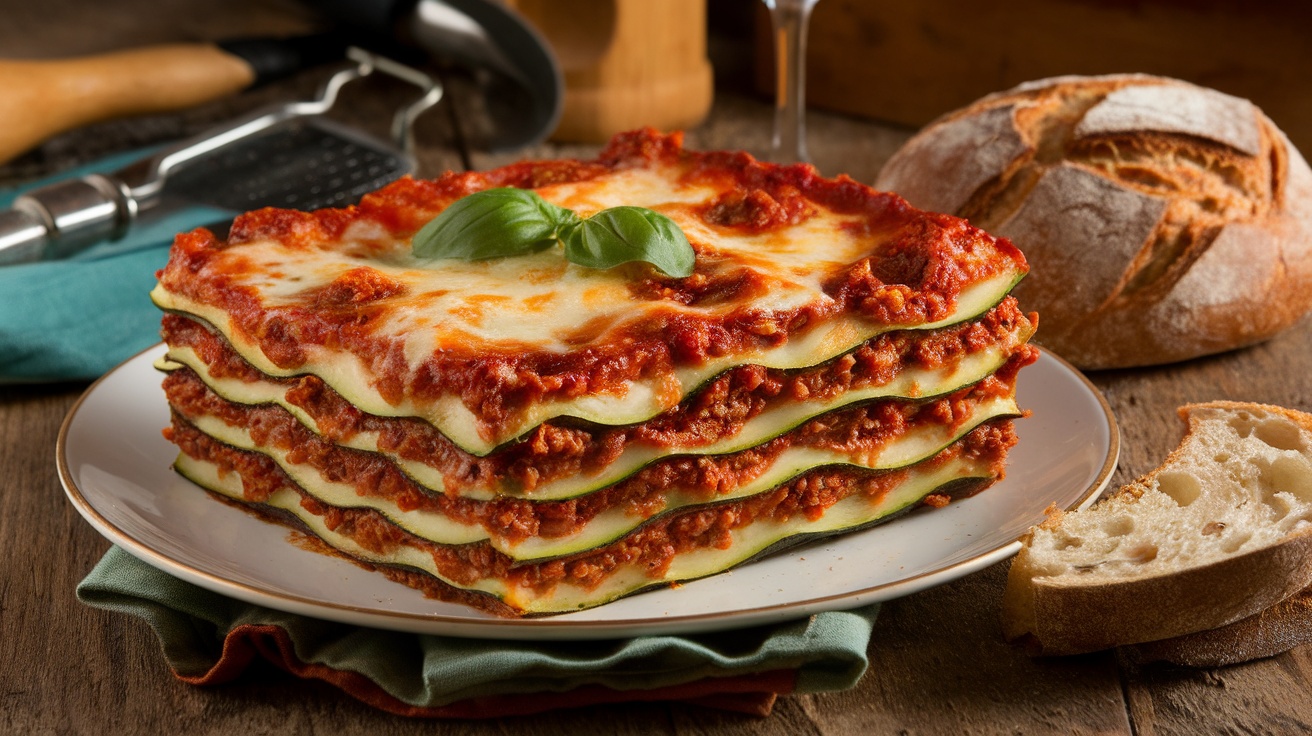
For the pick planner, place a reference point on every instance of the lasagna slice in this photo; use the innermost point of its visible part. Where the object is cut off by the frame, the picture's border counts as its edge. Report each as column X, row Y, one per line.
column 532, row 436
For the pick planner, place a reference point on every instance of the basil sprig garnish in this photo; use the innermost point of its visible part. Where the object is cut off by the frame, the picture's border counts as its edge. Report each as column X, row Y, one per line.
column 496, row 223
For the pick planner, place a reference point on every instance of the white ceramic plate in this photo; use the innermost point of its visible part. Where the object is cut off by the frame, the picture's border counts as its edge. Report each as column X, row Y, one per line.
column 114, row 465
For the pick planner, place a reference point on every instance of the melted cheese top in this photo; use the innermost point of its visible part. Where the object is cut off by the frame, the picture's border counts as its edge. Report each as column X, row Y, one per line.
column 540, row 301
column 357, row 308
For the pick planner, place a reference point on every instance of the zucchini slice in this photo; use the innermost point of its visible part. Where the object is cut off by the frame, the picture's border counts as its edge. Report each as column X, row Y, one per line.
column 639, row 401
column 745, row 543
column 909, row 449
column 769, row 424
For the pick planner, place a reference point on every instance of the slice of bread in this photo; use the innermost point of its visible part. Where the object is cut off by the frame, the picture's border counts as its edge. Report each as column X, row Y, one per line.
column 1275, row 630
column 1219, row 532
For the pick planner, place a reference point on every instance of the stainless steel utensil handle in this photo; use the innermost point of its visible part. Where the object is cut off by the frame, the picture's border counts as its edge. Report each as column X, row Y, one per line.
column 22, row 236
column 60, row 219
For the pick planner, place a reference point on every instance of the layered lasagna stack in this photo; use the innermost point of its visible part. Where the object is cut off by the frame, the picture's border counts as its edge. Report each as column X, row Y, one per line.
column 531, row 436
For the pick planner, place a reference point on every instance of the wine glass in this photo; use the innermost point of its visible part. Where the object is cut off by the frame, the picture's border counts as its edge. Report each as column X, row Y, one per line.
column 789, row 19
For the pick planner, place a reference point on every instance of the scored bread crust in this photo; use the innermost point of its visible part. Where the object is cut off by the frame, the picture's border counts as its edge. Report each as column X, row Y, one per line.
column 1162, row 221
column 1071, row 613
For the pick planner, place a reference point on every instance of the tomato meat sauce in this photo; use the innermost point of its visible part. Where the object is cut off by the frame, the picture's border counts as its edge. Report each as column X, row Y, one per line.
column 561, row 448
column 856, row 432
column 650, row 548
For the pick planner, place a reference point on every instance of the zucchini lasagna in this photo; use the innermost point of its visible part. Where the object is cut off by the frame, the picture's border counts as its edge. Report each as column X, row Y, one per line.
column 530, row 436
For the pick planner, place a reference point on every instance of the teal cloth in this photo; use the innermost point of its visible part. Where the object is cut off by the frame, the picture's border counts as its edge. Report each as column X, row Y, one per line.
column 828, row 650
column 76, row 318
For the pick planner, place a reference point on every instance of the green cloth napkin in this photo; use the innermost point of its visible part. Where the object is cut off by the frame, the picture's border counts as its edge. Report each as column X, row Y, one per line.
column 76, row 318
column 201, row 635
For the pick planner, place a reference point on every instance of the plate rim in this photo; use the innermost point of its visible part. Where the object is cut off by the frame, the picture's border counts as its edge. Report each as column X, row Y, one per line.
column 550, row 627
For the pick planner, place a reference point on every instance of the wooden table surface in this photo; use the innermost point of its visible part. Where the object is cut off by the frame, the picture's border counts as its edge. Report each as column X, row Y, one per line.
column 938, row 663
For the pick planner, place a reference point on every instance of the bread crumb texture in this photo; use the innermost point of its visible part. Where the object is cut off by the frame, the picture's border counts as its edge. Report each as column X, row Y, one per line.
column 1127, row 193
column 1241, row 481
column 1217, row 533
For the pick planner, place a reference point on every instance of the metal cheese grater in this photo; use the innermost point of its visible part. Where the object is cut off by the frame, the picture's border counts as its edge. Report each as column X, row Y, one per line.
column 288, row 155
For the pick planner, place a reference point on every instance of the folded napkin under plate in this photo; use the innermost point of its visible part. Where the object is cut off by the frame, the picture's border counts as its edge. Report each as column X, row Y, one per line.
column 209, row 639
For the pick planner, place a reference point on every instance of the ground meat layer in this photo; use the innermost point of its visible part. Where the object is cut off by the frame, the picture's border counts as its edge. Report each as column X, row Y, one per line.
column 561, row 449
column 652, row 547
column 854, row 432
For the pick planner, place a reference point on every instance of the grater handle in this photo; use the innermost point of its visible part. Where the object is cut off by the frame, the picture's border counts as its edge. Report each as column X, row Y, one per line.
column 23, row 236
column 60, row 219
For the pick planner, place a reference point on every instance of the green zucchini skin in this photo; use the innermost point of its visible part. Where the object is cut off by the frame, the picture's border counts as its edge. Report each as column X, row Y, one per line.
column 850, row 514
column 978, row 301
column 608, row 527
column 774, row 421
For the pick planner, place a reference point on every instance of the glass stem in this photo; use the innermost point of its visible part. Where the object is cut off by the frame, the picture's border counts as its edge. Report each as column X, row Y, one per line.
column 790, row 18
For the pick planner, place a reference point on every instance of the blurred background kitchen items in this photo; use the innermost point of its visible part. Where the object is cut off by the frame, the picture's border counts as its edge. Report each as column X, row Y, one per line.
column 626, row 63
column 288, row 155
column 789, row 20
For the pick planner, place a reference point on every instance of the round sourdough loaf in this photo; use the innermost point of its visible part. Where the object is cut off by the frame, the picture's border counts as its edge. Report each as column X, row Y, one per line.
column 1162, row 220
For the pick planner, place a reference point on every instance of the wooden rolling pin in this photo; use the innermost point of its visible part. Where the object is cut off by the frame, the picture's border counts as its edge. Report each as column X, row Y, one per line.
column 42, row 98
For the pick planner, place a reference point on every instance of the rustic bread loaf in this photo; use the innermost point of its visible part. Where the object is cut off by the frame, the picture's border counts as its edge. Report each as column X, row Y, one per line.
column 1221, row 531
column 1162, row 221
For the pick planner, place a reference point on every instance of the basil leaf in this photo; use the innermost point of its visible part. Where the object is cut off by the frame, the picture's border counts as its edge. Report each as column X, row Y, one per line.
column 496, row 223
column 622, row 234
column 491, row 224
